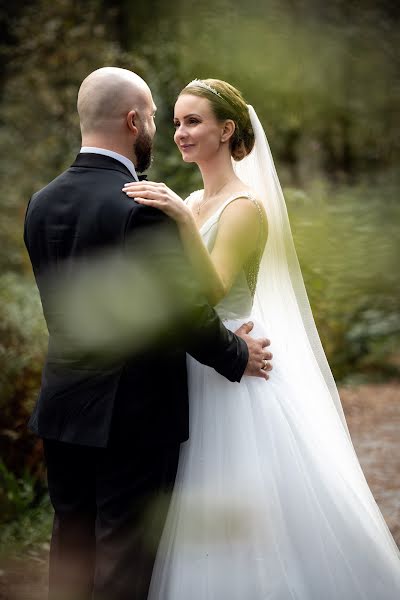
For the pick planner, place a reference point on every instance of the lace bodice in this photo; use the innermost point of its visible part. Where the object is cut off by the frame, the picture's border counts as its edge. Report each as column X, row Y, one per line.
column 238, row 302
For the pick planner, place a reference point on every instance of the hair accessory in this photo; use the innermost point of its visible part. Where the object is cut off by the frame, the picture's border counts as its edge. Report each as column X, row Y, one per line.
column 203, row 84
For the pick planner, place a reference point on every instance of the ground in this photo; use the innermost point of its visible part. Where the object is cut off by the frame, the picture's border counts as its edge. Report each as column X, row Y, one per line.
column 373, row 415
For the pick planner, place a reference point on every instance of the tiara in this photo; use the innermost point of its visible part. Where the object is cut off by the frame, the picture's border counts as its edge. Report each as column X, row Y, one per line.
column 203, row 84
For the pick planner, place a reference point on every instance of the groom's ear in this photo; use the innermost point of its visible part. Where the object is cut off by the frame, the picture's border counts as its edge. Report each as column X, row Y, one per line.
column 131, row 118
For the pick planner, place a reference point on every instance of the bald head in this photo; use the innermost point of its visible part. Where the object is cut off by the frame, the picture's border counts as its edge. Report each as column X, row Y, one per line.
column 106, row 96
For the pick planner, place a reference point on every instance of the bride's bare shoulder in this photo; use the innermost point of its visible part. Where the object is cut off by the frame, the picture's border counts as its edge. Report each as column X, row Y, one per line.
column 246, row 207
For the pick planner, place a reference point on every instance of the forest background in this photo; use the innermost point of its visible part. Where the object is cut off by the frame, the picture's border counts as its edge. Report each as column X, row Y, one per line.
column 324, row 78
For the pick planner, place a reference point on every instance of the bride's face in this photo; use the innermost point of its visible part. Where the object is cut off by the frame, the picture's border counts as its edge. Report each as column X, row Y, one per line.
column 197, row 131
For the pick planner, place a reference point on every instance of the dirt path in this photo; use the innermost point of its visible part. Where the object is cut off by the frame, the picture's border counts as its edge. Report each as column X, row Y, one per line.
column 373, row 415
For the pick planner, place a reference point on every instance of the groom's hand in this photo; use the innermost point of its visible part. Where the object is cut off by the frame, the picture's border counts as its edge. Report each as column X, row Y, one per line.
column 258, row 364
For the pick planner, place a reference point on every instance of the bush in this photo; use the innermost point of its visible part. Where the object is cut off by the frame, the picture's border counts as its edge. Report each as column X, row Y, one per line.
column 25, row 520
column 22, row 348
column 347, row 242
column 25, row 515
column 16, row 494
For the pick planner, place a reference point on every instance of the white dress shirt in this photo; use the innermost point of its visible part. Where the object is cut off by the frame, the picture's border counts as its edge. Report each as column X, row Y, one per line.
column 125, row 161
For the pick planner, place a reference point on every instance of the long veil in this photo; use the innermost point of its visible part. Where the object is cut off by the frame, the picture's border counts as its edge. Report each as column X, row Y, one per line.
column 281, row 304
column 280, row 297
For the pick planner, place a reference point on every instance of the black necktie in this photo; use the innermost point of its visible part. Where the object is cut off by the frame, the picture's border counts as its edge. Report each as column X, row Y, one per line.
column 142, row 177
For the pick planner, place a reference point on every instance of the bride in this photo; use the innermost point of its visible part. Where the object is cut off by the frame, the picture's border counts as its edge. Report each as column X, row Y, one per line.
column 270, row 501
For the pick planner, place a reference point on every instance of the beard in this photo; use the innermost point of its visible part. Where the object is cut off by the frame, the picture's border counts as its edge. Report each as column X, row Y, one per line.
column 143, row 151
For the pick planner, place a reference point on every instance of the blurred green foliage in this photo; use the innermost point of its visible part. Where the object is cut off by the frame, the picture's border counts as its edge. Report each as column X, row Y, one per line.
column 22, row 347
column 26, row 517
column 348, row 246
column 16, row 494
column 324, row 79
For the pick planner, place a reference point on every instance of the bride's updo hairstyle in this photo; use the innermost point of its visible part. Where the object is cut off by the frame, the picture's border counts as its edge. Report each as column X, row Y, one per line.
column 226, row 103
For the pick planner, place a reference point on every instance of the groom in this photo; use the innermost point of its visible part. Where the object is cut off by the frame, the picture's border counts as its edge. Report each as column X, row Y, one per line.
column 111, row 431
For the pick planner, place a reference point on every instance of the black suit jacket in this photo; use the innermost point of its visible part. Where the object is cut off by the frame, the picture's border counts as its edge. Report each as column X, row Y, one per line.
column 142, row 397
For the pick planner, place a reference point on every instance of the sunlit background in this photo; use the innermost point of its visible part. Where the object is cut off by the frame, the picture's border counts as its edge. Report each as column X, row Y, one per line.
column 324, row 78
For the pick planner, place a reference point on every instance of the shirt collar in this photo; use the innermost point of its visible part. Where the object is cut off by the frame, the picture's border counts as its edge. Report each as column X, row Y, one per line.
column 125, row 161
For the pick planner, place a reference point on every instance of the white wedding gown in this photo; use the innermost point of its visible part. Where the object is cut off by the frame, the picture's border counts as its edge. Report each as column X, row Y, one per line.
column 268, row 504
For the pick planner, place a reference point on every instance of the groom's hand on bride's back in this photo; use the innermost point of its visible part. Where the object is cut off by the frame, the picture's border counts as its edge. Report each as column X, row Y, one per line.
column 258, row 364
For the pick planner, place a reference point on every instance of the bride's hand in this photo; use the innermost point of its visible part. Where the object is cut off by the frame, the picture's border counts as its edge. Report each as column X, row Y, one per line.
column 159, row 196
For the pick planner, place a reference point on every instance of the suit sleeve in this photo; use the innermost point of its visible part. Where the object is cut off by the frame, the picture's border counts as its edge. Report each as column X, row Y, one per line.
column 193, row 324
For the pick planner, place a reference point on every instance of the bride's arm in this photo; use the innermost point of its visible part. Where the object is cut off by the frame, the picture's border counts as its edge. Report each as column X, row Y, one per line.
column 237, row 236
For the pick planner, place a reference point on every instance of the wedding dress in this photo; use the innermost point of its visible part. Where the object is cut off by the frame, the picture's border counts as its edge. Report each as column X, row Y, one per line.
column 270, row 502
